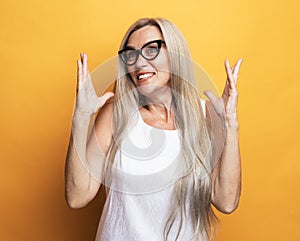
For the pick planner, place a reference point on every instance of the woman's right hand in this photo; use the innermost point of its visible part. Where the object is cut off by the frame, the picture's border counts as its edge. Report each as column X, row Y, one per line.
column 87, row 100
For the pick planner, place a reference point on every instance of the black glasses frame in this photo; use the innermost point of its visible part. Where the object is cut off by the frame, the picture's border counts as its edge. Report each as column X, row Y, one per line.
column 140, row 51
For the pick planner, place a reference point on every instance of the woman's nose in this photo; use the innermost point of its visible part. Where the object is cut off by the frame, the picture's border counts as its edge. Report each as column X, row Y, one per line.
column 141, row 61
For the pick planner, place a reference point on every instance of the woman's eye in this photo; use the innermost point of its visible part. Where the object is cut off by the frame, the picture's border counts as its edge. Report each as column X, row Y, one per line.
column 152, row 50
column 130, row 54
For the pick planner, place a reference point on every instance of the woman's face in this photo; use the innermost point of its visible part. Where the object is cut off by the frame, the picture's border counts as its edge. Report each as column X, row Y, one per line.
column 149, row 75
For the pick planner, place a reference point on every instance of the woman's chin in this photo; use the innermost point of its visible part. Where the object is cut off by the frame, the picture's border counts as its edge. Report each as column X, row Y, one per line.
column 154, row 91
column 147, row 89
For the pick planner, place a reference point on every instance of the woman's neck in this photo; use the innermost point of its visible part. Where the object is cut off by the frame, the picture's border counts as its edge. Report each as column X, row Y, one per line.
column 161, row 107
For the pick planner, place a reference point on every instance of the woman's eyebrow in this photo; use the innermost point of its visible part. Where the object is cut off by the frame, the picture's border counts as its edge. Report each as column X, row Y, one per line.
column 129, row 47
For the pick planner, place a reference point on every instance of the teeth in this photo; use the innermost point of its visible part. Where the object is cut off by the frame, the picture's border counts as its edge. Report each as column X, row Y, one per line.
column 143, row 76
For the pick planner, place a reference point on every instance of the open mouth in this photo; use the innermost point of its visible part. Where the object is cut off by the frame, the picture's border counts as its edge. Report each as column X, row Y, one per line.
column 144, row 76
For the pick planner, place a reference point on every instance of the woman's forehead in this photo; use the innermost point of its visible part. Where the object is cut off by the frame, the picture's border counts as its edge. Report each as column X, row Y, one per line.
column 143, row 35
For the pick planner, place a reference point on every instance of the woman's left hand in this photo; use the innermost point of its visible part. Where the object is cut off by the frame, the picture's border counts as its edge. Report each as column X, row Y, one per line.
column 226, row 105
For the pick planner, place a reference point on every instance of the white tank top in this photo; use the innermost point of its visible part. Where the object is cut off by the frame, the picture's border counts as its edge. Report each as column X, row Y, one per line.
column 138, row 210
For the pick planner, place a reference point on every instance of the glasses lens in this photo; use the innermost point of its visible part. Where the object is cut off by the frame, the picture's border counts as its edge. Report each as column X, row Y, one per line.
column 151, row 51
column 129, row 56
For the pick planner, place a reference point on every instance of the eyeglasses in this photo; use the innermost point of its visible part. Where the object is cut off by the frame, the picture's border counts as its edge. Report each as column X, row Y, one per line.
column 149, row 51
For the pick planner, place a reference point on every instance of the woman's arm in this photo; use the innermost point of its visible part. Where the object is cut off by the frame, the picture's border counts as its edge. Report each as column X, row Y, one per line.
column 226, row 175
column 87, row 150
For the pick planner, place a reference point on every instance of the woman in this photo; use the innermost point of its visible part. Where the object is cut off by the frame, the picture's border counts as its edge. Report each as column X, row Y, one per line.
column 152, row 144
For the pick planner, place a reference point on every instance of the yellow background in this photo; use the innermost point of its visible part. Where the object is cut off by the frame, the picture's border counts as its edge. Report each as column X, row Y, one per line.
column 40, row 42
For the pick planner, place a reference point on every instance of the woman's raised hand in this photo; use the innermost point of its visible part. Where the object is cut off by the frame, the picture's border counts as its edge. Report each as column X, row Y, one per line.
column 87, row 100
column 226, row 105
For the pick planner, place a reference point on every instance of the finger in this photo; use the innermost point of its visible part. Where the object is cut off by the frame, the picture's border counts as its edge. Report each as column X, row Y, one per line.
column 230, row 76
column 233, row 68
column 85, row 68
column 210, row 96
column 103, row 99
column 79, row 73
column 79, row 70
column 226, row 88
column 108, row 95
column 81, row 58
column 237, row 69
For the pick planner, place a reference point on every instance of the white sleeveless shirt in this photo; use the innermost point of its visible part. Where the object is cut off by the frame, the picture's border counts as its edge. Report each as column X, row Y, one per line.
column 137, row 210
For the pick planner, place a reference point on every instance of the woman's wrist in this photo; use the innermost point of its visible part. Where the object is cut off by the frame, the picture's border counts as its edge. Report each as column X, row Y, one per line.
column 81, row 117
column 231, row 122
